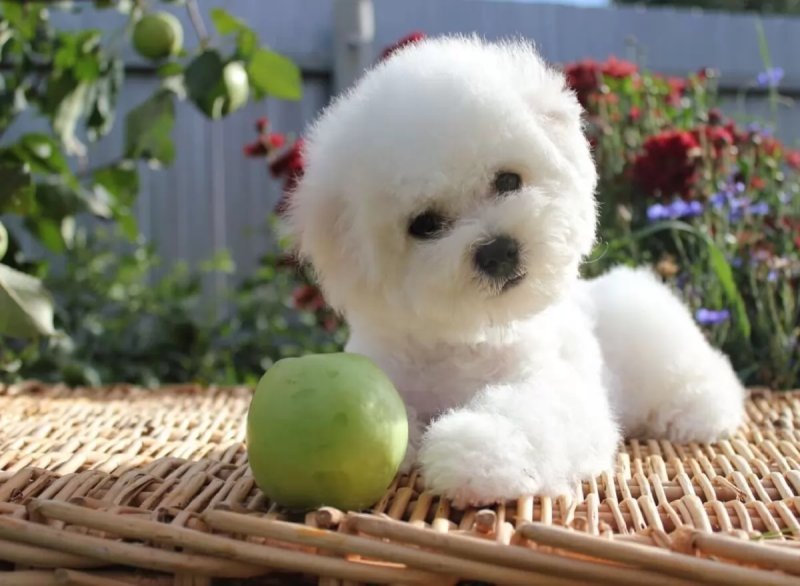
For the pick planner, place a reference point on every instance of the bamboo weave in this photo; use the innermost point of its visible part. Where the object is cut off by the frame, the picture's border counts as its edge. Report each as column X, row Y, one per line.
column 123, row 485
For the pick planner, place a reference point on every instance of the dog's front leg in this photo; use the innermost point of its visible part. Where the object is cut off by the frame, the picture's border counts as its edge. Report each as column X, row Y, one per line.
column 479, row 454
column 509, row 441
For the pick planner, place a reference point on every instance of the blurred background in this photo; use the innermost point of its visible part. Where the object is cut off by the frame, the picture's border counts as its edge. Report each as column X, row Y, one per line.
column 142, row 177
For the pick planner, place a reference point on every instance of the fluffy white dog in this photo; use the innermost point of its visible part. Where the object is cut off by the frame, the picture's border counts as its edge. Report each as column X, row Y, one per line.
column 447, row 204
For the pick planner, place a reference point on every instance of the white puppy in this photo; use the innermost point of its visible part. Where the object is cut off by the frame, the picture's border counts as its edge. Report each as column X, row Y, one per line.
column 447, row 204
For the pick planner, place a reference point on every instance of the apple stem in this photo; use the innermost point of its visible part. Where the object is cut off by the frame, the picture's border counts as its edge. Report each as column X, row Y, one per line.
column 197, row 22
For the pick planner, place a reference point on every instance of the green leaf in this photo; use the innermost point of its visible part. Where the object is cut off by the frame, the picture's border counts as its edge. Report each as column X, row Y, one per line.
column 103, row 99
column 127, row 224
column 57, row 200
column 16, row 187
column 722, row 269
column 120, row 182
column 225, row 22
column 26, row 308
column 48, row 231
column 275, row 75
column 42, row 153
column 22, row 18
column 203, row 76
column 66, row 116
column 170, row 69
column 148, row 129
column 221, row 262
column 246, row 44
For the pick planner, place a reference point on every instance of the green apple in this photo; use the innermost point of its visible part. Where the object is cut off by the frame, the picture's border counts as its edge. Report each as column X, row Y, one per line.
column 326, row 430
column 158, row 35
column 237, row 87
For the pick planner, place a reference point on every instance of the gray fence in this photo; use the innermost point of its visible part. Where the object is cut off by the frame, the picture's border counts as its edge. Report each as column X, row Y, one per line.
column 213, row 198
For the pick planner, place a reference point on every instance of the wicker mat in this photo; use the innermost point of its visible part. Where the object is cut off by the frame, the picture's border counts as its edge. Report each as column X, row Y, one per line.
column 124, row 486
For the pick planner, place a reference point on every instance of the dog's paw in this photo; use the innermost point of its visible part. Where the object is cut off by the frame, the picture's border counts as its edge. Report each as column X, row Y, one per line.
column 475, row 458
column 706, row 405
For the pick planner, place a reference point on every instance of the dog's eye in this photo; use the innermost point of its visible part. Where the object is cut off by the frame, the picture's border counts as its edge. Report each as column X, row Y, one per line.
column 427, row 225
column 506, row 182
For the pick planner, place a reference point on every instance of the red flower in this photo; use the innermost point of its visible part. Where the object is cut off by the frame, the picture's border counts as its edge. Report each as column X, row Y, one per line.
column 409, row 39
column 584, row 78
column 757, row 183
column 291, row 162
column 677, row 88
column 715, row 117
column 635, row 113
column 770, row 146
column 618, row 69
column 719, row 138
column 793, row 159
column 265, row 144
column 308, row 298
column 262, row 124
column 276, row 140
column 255, row 149
column 290, row 166
column 668, row 164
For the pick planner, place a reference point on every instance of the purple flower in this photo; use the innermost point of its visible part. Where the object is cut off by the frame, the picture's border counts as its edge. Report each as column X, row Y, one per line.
column 760, row 255
column 772, row 276
column 736, row 262
column 719, row 199
column 759, row 209
column 657, row 212
column 756, row 128
column 677, row 209
column 708, row 317
column 770, row 78
column 737, row 207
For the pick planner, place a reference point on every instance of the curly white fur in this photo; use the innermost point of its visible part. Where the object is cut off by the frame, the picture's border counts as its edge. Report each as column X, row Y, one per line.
column 512, row 392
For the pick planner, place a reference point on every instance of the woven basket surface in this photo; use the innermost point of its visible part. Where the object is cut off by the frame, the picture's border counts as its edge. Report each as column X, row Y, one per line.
column 124, row 485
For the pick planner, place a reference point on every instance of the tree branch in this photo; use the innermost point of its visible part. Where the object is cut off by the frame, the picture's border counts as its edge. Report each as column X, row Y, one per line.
column 197, row 22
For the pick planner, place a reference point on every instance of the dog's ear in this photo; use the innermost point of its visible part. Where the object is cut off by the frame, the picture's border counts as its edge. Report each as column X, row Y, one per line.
column 312, row 220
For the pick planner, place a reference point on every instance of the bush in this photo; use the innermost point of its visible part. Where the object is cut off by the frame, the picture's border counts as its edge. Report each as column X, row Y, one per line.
column 713, row 206
column 106, row 321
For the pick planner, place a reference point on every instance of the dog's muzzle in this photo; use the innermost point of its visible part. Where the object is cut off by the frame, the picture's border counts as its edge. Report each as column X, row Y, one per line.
column 499, row 259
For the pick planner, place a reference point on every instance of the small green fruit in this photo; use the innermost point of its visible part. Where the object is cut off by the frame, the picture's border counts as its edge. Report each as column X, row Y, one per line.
column 326, row 429
column 158, row 35
column 237, row 87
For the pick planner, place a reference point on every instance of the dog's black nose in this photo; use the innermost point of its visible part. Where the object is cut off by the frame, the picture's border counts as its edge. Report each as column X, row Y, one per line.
column 498, row 258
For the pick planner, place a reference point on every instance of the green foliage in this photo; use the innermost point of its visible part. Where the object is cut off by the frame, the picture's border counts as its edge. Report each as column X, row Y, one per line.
column 764, row 6
column 72, row 79
column 711, row 203
column 118, row 323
